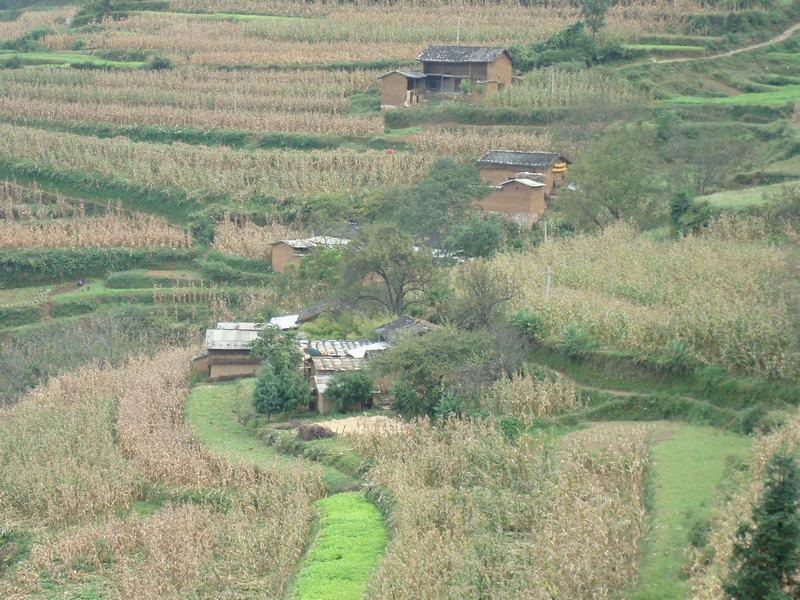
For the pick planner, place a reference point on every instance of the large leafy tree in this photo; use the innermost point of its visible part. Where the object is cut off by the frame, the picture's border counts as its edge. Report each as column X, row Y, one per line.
column 435, row 204
column 382, row 266
column 766, row 556
column 615, row 180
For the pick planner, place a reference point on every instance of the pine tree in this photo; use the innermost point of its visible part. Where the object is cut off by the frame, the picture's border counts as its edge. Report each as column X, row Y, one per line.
column 766, row 554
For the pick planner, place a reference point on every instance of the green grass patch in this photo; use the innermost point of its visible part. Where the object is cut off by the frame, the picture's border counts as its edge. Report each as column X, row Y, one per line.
column 209, row 411
column 687, row 472
column 64, row 58
column 784, row 95
column 347, row 549
column 744, row 198
column 617, row 371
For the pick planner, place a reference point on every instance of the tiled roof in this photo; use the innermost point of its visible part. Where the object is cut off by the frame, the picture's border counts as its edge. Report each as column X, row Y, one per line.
column 330, row 347
column 460, row 54
column 513, row 158
column 336, row 363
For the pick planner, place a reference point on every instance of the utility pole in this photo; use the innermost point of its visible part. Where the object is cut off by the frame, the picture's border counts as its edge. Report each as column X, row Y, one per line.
column 458, row 30
column 545, row 231
column 547, row 285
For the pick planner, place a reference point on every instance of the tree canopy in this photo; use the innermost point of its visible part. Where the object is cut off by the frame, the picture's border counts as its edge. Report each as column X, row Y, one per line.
column 382, row 266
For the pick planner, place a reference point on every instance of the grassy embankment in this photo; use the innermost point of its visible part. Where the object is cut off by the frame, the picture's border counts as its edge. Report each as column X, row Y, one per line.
column 347, row 549
column 687, row 472
column 351, row 534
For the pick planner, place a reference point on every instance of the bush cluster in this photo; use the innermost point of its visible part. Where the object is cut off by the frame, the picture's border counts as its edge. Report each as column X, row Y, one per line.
column 27, row 267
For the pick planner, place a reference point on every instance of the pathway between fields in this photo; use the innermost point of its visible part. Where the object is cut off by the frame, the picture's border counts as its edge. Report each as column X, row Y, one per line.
column 351, row 535
column 688, row 468
column 775, row 40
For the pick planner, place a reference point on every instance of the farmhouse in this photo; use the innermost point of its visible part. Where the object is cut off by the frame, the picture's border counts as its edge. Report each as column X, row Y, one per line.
column 499, row 166
column 227, row 353
column 287, row 253
column 444, row 68
column 521, row 199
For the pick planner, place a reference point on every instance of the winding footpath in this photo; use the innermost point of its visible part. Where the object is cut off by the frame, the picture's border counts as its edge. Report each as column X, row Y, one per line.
column 350, row 534
column 775, row 40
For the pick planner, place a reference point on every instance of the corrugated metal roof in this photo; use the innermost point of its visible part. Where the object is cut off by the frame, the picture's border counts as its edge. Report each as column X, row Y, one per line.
column 318, row 241
column 285, row 322
column 230, row 339
column 514, row 158
column 240, row 326
column 460, row 54
column 362, row 351
column 408, row 74
column 528, row 182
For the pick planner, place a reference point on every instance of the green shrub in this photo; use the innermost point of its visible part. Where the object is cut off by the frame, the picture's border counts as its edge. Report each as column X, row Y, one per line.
column 577, row 342
column 348, row 391
column 448, row 404
column 29, row 267
column 158, row 62
column 138, row 279
column 28, row 42
column 675, row 359
column 19, row 315
column 530, row 324
column 73, row 308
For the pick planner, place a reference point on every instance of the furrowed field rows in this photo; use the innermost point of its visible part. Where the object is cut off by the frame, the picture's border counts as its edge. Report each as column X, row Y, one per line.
column 31, row 20
column 344, row 35
column 561, row 88
column 480, row 22
column 740, row 318
column 304, row 101
column 201, row 172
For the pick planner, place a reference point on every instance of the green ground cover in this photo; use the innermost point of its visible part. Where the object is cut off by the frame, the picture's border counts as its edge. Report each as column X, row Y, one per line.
column 347, row 549
column 688, row 470
column 744, row 198
column 21, row 296
column 211, row 411
column 65, row 58
column 782, row 95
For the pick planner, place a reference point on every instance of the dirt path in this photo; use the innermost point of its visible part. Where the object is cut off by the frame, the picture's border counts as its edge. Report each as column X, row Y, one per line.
column 778, row 38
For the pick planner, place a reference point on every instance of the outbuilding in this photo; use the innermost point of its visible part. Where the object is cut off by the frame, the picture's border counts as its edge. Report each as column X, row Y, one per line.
column 521, row 198
column 288, row 253
column 498, row 166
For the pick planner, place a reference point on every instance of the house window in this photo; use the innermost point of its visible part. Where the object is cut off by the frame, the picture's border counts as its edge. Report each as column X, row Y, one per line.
column 434, row 83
